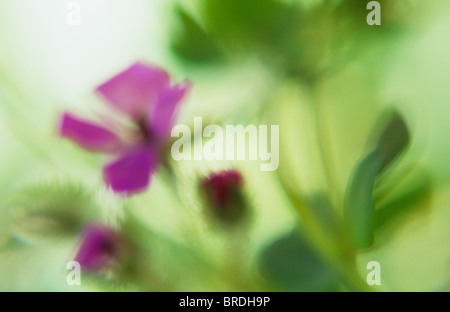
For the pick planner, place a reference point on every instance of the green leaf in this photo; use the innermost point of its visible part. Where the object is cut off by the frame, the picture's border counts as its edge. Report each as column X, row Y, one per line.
column 266, row 24
column 291, row 265
column 192, row 43
column 50, row 212
column 359, row 202
column 414, row 194
column 393, row 140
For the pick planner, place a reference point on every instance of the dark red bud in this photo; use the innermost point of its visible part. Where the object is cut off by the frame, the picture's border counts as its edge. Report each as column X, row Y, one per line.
column 224, row 196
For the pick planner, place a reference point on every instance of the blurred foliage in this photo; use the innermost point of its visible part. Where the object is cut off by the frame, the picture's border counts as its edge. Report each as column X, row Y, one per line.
column 416, row 194
column 48, row 212
column 192, row 42
column 289, row 37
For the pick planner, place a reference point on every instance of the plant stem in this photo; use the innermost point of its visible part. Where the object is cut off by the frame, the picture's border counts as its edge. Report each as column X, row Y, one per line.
column 323, row 140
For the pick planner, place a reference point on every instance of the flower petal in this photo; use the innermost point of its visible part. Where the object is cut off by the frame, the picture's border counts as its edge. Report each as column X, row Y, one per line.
column 131, row 173
column 88, row 135
column 164, row 114
column 134, row 90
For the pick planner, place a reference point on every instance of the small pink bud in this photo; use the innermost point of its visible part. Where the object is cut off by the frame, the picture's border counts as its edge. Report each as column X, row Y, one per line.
column 100, row 247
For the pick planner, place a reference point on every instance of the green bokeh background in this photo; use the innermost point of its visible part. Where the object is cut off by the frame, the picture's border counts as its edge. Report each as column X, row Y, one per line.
column 47, row 67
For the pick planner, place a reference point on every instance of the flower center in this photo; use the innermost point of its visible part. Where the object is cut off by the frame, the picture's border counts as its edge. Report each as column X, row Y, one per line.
column 144, row 130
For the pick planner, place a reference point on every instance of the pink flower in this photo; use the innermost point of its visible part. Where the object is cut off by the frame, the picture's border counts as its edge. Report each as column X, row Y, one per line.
column 143, row 94
column 100, row 248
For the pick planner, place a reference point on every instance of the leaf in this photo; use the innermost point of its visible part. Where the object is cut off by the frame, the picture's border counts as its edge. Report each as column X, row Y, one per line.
column 290, row 264
column 193, row 44
column 47, row 212
column 359, row 202
column 415, row 193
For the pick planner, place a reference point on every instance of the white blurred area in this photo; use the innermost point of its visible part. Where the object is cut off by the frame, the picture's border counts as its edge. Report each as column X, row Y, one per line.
column 45, row 55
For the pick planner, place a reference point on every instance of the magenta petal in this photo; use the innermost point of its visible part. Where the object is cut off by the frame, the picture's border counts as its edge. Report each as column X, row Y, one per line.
column 163, row 116
column 131, row 173
column 135, row 89
column 88, row 135
column 99, row 247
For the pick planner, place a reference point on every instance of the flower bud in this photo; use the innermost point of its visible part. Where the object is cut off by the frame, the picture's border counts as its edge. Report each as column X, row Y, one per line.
column 224, row 196
column 100, row 248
